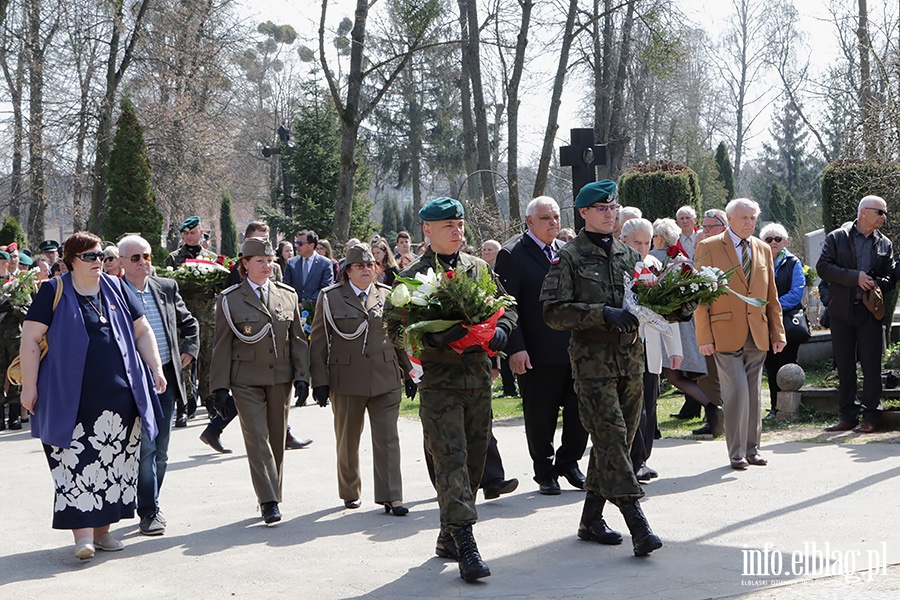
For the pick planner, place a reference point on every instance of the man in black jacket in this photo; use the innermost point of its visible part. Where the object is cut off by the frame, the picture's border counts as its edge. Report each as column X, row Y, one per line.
column 539, row 355
column 856, row 262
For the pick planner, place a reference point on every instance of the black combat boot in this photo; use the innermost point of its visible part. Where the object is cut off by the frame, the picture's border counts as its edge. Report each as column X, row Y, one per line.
column 15, row 418
column 643, row 539
column 471, row 567
column 592, row 526
column 3, row 416
column 445, row 547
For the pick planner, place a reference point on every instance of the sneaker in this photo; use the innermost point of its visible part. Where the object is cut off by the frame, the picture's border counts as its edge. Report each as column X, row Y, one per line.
column 108, row 543
column 152, row 525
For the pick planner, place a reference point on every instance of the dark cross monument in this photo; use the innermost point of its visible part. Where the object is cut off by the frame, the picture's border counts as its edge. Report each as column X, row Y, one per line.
column 584, row 157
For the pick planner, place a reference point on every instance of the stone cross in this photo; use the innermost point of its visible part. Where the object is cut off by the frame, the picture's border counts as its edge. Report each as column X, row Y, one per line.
column 584, row 157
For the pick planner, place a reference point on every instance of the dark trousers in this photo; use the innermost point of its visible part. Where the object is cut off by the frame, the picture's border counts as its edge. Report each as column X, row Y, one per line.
column 493, row 464
column 860, row 340
column 544, row 391
column 642, row 445
column 773, row 363
column 508, row 378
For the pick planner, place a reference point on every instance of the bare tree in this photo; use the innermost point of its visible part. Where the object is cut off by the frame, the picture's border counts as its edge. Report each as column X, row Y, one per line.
column 12, row 60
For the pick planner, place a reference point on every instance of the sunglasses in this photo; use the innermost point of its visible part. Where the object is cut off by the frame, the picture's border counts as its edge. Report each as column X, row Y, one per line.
column 109, row 259
column 774, row 238
column 90, row 257
column 881, row 213
column 135, row 258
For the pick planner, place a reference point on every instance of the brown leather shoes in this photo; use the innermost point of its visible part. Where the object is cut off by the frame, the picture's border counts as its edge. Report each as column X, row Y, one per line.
column 841, row 426
column 756, row 459
column 866, row 427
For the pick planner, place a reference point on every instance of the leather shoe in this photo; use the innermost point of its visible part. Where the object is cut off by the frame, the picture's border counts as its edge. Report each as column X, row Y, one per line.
column 574, row 476
column 705, row 430
column 756, row 459
column 15, row 424
column 501, row 486
column 292, row 443
column 270, row 513
column 645, row 473
column 842, row 426
column 739, row 464
column 180, row 421
column 352, row 504
column 549, row 487
column 866, row 427
column 213, row 442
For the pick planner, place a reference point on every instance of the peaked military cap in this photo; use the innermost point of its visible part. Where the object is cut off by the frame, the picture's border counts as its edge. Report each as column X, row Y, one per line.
column 48, row 246
column 257, row 246
column 189, row 223
column 359, row 254
column 599, row 191
column 441, row 209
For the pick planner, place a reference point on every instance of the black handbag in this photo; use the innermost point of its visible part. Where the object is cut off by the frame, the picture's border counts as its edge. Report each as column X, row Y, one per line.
column 796, row 326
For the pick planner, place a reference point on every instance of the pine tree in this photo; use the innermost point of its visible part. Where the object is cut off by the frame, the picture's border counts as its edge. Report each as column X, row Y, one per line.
column 12, row 231
column 228, row 241
column 131, row 207
column 781, row 208
column 726, row 172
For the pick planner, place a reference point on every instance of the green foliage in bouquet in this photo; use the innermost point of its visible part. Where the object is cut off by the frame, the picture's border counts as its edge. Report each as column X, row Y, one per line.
column 195, row 279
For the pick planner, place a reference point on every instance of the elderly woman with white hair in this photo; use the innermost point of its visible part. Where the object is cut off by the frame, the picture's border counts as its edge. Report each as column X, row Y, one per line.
column 686, row 217
column 790, row 282
column 636, row 232
column 665, row 240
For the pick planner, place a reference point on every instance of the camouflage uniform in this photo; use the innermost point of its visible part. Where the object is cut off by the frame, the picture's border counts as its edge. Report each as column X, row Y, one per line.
column 10, row 338
column 455, row 405
column 203, row 307
column 607, row 365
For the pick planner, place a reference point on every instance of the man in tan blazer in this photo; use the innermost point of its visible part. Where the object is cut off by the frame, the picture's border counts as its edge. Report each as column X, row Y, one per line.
column 260, row 350
column 737, row 334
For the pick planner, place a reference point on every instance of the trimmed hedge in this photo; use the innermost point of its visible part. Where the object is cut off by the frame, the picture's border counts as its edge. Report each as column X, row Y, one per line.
column 659, row 188
column 845, row 183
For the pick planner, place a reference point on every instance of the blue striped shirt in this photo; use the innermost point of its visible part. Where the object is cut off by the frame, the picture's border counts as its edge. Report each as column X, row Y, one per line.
column 151, row 311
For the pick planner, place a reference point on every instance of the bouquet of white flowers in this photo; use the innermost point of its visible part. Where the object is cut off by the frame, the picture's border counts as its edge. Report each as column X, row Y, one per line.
column 200, row 276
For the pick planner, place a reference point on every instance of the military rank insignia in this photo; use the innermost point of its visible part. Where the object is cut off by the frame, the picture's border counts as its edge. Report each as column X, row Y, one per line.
column 248, row 329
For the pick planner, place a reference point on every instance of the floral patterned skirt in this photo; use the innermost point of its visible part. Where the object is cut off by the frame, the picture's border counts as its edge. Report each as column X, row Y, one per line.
column 96, row 478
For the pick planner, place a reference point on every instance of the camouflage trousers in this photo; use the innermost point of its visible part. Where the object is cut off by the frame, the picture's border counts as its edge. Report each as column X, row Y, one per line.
column 457, row 429
column 204, row 310
column 9, row 350
column 610, row 410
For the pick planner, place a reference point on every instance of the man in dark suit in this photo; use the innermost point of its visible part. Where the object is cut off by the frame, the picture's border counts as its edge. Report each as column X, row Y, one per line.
column 171, row 321
column 309, row 271
column 856, row 259
column 539, row 355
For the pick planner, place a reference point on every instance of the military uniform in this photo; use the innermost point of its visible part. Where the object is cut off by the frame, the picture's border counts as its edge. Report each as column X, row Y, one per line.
column 10, row 338
column 455, row 404
column 259, row 351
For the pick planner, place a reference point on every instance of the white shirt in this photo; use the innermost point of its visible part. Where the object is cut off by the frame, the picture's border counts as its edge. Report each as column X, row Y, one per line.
column 264, row 288
column 541, row 244
column 737, row 245
column 357, row 291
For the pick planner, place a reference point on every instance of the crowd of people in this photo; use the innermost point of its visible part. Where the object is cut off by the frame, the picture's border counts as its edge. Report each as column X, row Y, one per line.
column 153, row 353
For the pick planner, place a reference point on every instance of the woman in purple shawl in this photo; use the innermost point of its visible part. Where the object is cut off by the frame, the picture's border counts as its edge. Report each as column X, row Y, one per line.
column 91, row 394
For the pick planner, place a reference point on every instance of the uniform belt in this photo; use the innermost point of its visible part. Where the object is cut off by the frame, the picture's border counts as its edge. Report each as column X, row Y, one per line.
column 605, row 336
column 452, row 358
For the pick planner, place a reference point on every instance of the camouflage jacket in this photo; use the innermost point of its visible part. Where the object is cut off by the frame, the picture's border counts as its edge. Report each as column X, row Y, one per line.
column 176, row 258
column 577, row 288
column 444, row 367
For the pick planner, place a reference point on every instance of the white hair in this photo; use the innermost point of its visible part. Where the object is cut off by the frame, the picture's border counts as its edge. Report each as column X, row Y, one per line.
column 540, row 201
column 742, row 203
column 132, row 241
column 632, row 212
column 868, row 200
column 667, row 228
column 686, row 209
column 636, row 225
column 717, row 213
column 491, row 244
column 776, row 229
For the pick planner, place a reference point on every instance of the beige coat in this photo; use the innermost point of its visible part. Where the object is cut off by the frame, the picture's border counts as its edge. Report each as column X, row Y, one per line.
column 346, row 366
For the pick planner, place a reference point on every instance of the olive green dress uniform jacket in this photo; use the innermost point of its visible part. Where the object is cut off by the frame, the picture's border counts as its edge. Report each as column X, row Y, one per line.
column 346, row 366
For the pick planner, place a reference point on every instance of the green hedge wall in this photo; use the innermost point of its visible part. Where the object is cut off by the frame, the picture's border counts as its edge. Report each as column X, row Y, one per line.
column 659, row 188
column 844, row 183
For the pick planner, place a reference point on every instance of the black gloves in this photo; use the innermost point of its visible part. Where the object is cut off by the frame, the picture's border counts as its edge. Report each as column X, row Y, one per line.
column 620, row 319
column 5, row 307
column 320, row 395
column 301, row 390
column 411, row 389
column 222, row 403
column 442, row 338
column 685, row 313
column 498, row 342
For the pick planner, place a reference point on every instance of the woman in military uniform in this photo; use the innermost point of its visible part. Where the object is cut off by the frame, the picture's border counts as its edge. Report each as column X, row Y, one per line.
column 260, row 351
column 353, row 361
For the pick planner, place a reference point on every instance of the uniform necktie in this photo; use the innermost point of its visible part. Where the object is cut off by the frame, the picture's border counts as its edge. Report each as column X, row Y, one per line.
column 262, row 295
column 549, row 252
column 745, row 259
column 362, row 297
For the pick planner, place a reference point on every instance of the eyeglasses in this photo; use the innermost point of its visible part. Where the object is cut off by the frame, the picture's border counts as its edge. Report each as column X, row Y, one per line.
column 881, row 213
column 707, row 227
column 90, row 257
column 109, row 259
column 135, row 258
column 604, row 208
column 301, row 243
column 712, row 215
column 774, row 238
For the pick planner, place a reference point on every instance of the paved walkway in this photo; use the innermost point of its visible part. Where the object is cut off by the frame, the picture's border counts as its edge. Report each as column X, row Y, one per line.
column 840, row 500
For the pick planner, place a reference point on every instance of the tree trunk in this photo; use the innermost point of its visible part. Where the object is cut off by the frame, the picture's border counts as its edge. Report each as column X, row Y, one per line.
column 465, row 94
column 15, row 83
column 415, row 138
column 540, row 181
column 618, row 137
column 512, row 112
column 870, row 143
column 603, row 60
column 37, row 203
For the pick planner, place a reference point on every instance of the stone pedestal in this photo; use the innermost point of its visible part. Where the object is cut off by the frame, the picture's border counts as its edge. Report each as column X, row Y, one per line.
column 790, row 379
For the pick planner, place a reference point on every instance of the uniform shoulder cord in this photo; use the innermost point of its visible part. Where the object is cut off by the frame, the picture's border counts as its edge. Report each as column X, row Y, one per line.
column 362, row 330
column 248, row 339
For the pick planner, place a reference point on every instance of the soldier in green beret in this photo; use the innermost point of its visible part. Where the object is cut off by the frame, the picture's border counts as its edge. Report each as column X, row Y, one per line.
column 455, row 391
column 583, row 292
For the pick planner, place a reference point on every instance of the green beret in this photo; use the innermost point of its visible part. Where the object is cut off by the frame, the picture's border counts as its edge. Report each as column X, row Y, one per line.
column 359, row 254
column 257, row 246
column 189, row 223
column 48, row 246
column 441, row 209
column 598, row 191
column 4, row 255
column 25, row 260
